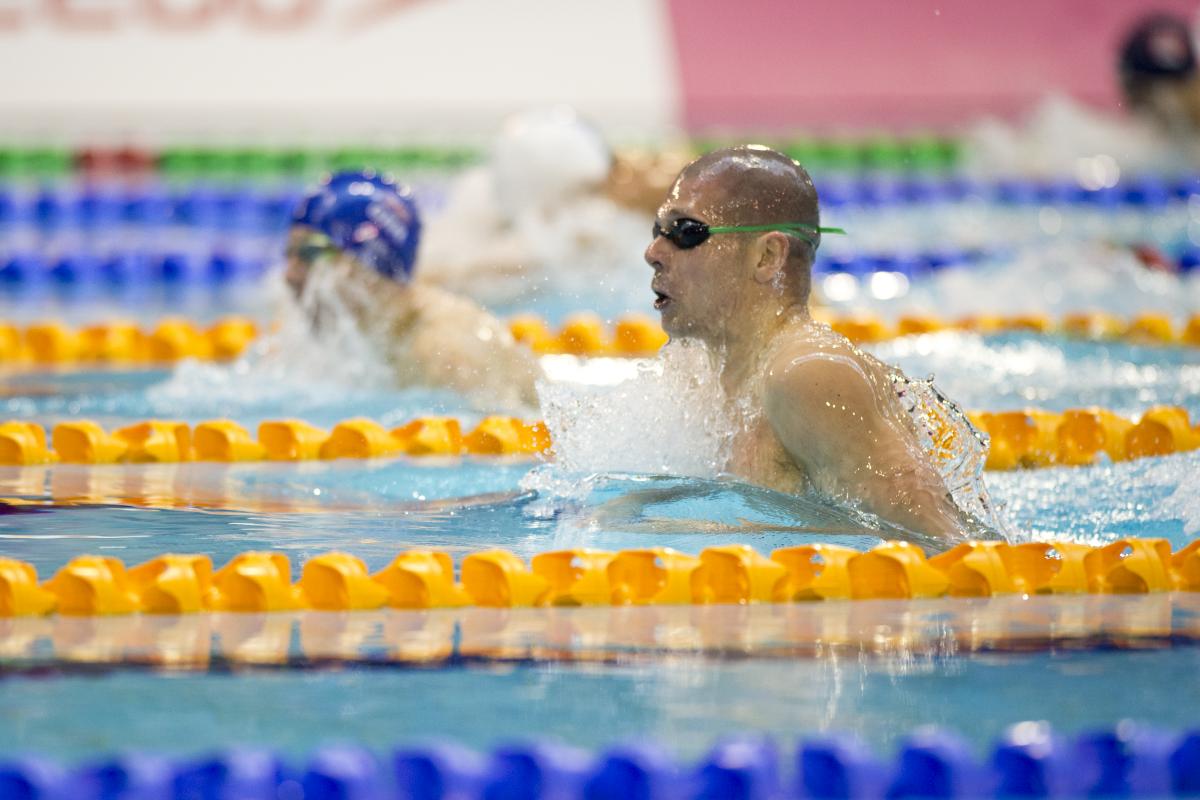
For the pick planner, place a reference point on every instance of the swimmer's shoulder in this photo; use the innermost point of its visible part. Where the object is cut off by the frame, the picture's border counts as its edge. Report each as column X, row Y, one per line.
column 812, row 365
column 807, row 348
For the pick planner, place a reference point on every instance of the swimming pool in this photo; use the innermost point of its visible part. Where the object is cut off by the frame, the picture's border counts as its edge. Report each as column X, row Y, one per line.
column 69, row 692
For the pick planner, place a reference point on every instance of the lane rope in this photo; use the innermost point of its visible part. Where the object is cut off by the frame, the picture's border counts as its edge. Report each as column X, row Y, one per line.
column 255, row 581
column 1028, row 760
column 584, row 334
column 1029, row 438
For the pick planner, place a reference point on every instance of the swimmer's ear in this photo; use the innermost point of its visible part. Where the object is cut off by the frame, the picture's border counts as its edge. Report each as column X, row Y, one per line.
column 771, row 254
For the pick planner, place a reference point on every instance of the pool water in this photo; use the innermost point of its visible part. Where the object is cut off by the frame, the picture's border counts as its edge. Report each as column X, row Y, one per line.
column 684, row 702
column 375, row 509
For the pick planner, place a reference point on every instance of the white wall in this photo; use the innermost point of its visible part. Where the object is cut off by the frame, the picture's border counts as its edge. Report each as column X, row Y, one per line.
column 367, row 67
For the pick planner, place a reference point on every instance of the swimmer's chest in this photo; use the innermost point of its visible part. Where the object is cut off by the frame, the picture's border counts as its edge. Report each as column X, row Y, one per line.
column 759, row 457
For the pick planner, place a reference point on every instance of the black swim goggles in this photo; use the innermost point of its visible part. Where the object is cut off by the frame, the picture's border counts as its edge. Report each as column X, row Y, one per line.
column 686, row 233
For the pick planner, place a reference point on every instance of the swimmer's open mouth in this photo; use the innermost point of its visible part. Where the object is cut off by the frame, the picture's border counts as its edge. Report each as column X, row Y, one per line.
column 660, row 300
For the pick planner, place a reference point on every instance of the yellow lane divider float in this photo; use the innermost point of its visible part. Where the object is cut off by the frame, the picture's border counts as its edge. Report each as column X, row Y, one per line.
column 124, row 343
column 1077, row 437
column 731, row 574
column 1150, row 328
column 1019, row 439
column 52, row 343
column 162, row 441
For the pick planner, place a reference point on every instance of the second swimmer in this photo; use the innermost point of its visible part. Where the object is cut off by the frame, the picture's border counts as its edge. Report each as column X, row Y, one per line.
column 352, row 244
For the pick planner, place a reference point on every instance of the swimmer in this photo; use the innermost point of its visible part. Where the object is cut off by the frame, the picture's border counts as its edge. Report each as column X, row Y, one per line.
column 551, row 210
column 1159, row 85
column 732, row 257
column 350, row 256
column 1157, row 71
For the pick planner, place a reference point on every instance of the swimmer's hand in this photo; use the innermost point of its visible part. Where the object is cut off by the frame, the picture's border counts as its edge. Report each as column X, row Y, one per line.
column 830, row 417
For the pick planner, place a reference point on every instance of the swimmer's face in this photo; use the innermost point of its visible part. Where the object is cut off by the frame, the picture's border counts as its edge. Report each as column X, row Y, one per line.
column 297, row 265
column 305, row 248
column 696, row 289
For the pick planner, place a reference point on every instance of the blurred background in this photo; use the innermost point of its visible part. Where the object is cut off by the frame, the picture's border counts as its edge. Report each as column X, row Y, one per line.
column 151, row 151
column 245, row 71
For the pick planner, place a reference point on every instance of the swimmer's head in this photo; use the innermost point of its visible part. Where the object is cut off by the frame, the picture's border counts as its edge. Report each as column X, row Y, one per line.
column 704, row 274
column 1157, row 71
column 364, row 215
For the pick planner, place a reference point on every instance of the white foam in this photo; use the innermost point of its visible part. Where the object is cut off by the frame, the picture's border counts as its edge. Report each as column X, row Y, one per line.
column 994, row 375
column 289, row 362
column 534, row 222
column 668, row 419
column 1061, row 132
column 1184, row 502
column 1093, row 505
column 1053, row 278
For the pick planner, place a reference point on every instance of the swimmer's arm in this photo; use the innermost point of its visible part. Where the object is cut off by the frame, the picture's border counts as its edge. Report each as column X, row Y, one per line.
column 824, row 410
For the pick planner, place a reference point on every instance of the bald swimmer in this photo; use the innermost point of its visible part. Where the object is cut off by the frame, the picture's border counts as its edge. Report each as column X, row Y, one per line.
column 350, row 258
column 732, row 256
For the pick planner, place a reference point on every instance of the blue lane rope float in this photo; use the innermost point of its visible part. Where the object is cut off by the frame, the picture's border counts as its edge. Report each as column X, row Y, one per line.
column 245, row 217
column 221, row 262
column 1029, row 760
column 196, row 201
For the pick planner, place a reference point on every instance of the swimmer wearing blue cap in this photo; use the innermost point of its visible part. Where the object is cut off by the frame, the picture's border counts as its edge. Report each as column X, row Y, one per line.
column 352, row 248
column 732, row 257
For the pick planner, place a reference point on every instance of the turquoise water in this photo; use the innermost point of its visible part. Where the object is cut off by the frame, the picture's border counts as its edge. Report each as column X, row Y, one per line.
column 371, row 512
column 375, row 509
column 684, row 702
column 980, row 372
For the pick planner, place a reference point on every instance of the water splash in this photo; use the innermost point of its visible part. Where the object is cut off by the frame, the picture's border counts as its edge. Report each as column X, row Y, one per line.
column 1061, row 135
column 296, row 366
column 997, row 373
column 1053, row 278
column 1095, row 505
column 958, row 448
column 670, row 419
column 673, row 418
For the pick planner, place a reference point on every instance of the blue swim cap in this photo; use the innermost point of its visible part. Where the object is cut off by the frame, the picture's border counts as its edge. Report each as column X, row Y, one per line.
column 369, row 216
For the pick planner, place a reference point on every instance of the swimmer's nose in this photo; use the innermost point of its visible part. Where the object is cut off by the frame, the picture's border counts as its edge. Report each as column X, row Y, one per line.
column 654, row 252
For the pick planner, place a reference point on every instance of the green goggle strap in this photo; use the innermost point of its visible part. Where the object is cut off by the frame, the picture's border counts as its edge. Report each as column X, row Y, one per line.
column 801, row 229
